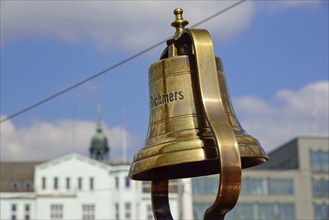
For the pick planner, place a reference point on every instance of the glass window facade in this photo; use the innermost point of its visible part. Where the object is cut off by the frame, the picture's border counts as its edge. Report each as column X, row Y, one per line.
column 259, row 211
column 205, row 185
column 249, row 186
column 263, row 211
column 320, row 187
column 319, row 160
column 267, row 186
column 321, row 211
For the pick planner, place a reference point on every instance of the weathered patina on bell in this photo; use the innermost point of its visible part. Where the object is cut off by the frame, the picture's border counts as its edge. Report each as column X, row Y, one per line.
column 193, row 130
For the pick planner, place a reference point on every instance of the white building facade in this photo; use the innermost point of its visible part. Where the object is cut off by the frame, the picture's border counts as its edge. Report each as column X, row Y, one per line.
column 76, row 187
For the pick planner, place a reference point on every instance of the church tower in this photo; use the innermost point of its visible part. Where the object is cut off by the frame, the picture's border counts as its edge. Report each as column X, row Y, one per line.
column 99, row 149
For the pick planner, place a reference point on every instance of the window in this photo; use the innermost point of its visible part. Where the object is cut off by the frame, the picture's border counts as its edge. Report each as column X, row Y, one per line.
column 149, row 212
column 56, row 212
column 320, row 187
column 91, row 181
column 55, row 183
column 127, row 182
column 117, row 211
column 315, row 160
column 80, row 183
column 321, row 211
column 88, row 212
column 13, row 211
column 14, row 185
column 116, row 182
column 28, row 185
column 269, row 186
column 27, row 212
column 270, row 211
column 280, row 186
column 254, row 186
column 258, row 186
column 205, row 185
column 127, row 210
column 245, row 211
column 287, row 211
column 43, row 182
column 68, row 185
column 320, row 160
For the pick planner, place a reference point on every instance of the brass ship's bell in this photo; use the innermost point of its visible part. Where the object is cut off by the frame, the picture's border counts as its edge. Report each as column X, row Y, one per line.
column 193, row 130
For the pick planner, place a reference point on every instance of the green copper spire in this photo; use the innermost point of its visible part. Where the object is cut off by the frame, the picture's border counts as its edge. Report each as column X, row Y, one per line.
column 99, row 149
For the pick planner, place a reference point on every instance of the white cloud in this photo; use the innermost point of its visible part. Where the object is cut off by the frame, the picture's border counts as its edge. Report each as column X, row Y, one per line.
column 127, row 25
column 291, row 113
column 113, row 24
column 44, row 140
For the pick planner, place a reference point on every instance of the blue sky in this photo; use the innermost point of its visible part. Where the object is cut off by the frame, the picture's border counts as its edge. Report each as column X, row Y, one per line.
column 275, row 55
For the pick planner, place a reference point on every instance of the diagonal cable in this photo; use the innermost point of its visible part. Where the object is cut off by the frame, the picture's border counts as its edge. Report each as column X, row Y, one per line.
column 112, row 67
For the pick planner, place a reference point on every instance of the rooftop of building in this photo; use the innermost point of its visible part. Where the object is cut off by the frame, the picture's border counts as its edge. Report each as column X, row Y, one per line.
column 18, row 176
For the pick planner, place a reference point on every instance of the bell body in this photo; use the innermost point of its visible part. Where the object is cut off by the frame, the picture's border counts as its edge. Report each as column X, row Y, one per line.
column 179, row 142
column 251, row 152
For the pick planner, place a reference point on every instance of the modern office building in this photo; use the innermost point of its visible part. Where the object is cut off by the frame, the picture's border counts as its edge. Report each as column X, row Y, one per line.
column 294, row 184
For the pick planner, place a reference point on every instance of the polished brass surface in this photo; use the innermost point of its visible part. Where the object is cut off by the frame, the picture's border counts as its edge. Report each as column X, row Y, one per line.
column 179, row 142
column 179, row 22
column 229, row 157
column 193, row 130
column 160, row 200
column 252, row 153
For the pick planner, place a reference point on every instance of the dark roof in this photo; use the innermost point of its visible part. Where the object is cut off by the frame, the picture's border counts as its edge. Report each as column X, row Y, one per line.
column 22, row 173
column 19, row 173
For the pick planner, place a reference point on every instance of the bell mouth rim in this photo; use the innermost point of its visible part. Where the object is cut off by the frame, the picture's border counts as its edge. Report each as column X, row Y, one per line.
column 200, row 161
column 148, row 168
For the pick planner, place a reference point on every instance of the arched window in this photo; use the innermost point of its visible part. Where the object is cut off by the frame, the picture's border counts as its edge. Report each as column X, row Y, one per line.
column 28, row 185
column 14, row 185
